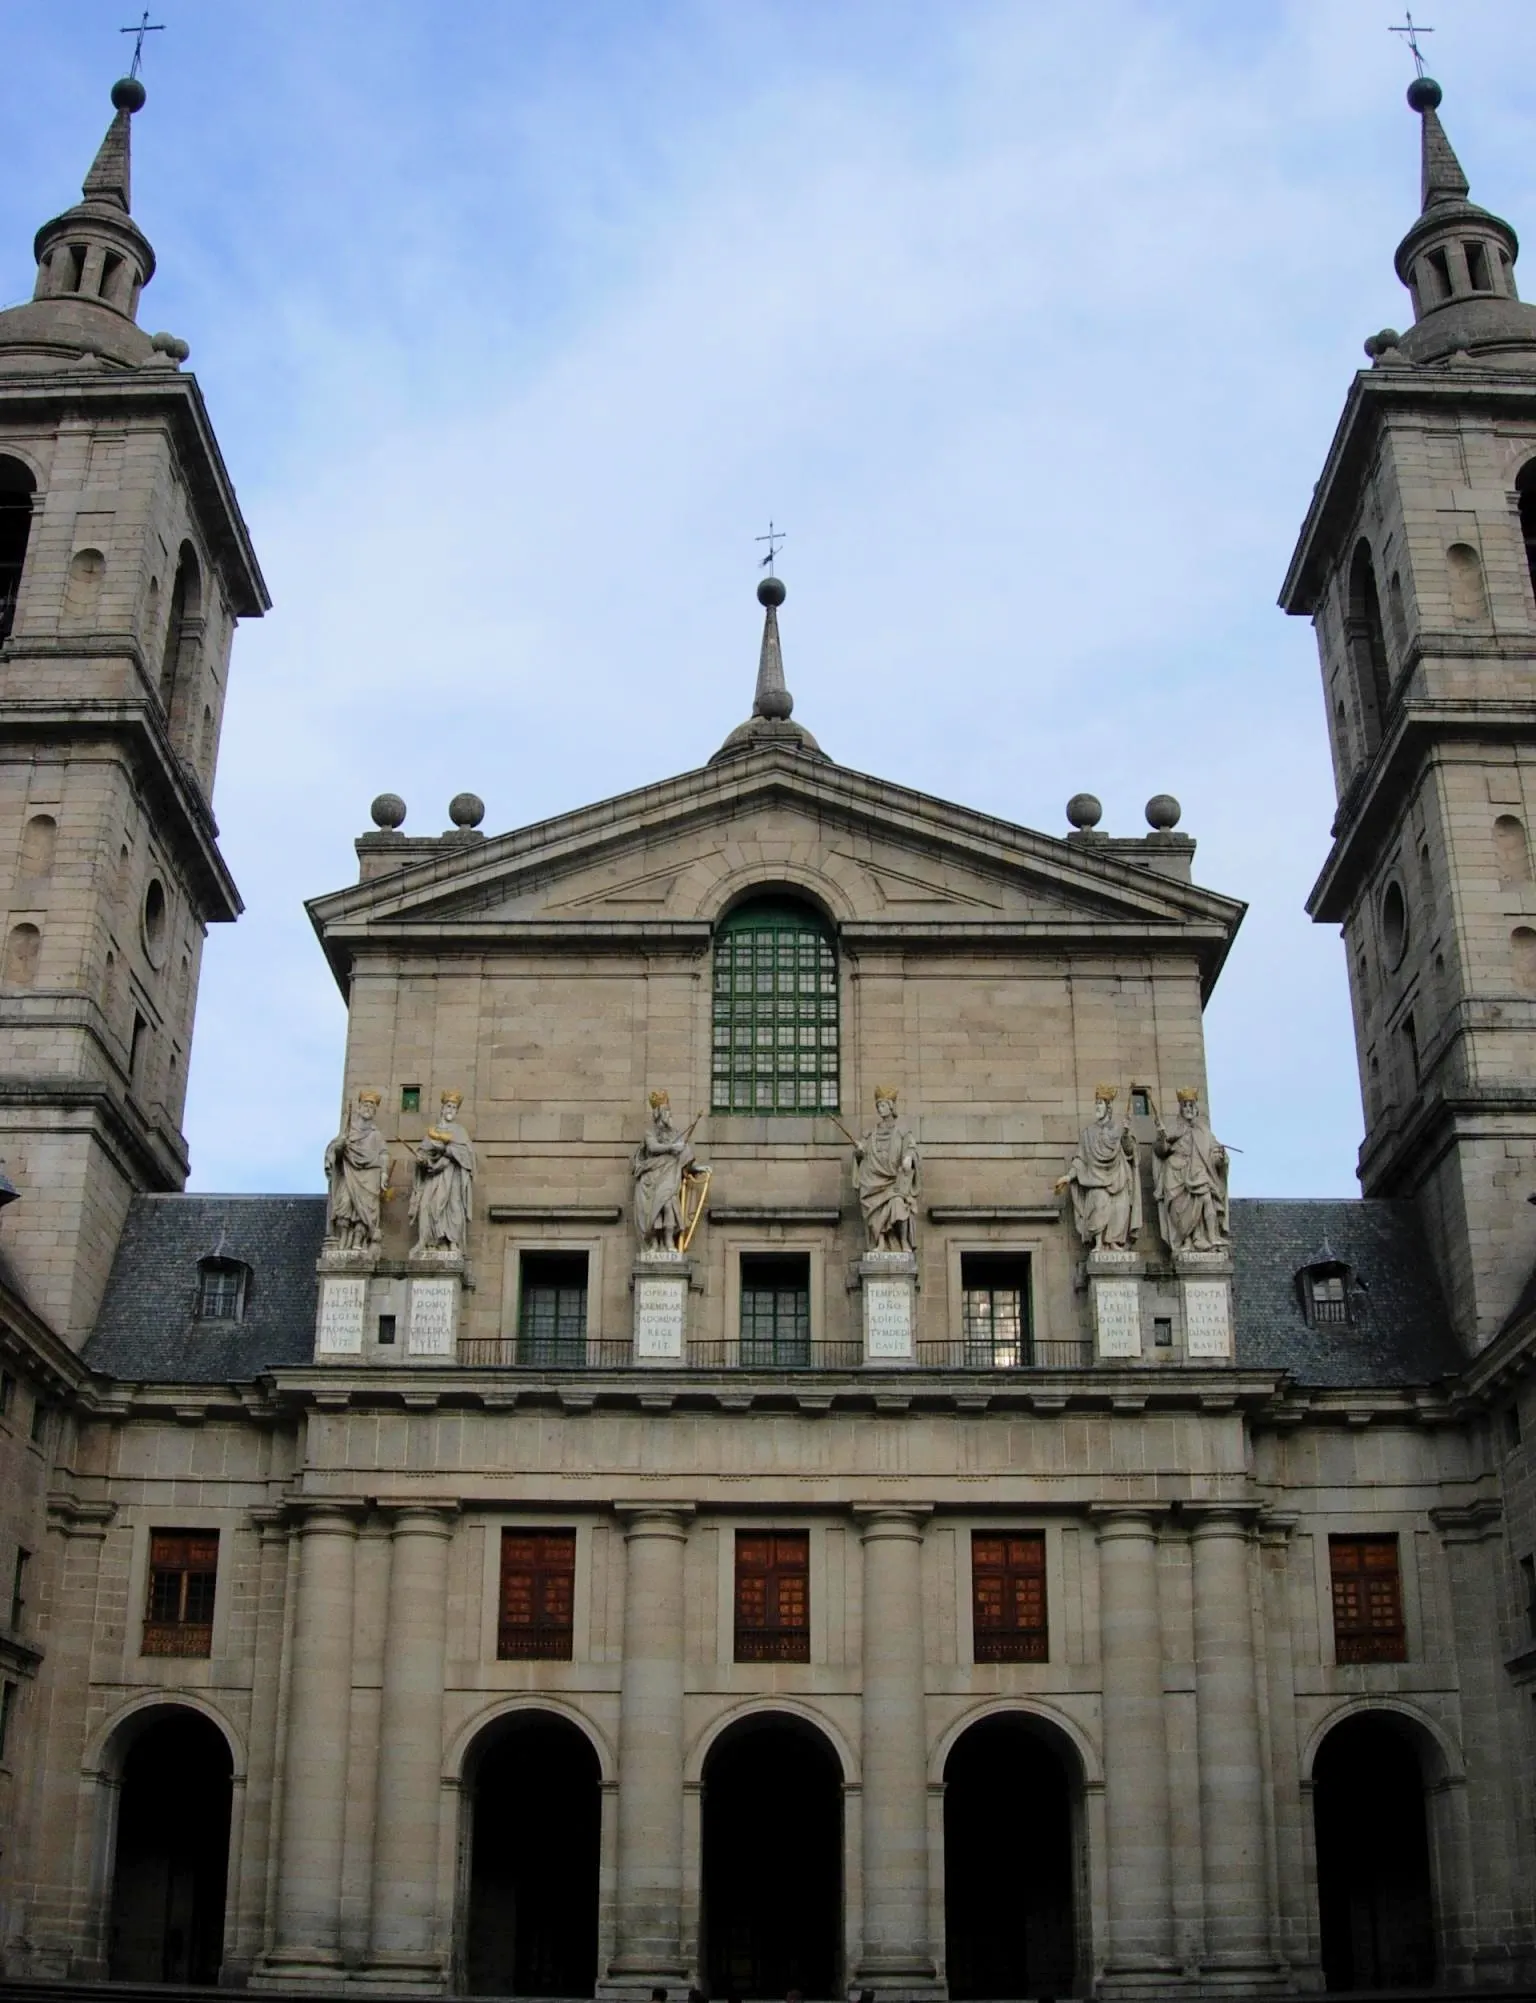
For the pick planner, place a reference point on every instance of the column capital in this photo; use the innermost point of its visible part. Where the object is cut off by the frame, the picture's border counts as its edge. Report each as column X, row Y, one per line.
column 326, row 1515
column 1221, row 1519
column 891, row 1519
column 655, row 1519
column 419, row 1516
column 1126, row 1519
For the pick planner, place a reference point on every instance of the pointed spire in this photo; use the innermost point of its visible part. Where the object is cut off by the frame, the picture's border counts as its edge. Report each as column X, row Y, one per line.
column 108, row 180
column 772, row 699
column 1442, row 178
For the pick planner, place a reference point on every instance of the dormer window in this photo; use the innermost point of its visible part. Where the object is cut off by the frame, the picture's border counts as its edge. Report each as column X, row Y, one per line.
column 221, row 1289
column 1330, row 1294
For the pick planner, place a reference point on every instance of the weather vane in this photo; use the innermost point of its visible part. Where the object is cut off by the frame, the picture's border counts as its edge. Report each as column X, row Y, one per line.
column 1411, row 30
column 144, row 27
column 773, row 539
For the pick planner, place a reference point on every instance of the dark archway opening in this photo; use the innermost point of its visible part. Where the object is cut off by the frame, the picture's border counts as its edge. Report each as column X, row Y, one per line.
column 172, row 1862
column 1010, row 1861
column 773, row 1861
column 1373, row 1879
column 534, row 1842
column 16, row 494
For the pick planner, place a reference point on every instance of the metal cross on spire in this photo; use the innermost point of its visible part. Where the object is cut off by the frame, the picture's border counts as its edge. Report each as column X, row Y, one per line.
column 773, row 539
column 143, row 28
column 1411, row 31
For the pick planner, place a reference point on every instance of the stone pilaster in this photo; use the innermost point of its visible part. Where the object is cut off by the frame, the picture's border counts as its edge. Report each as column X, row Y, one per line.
column 1233, row 1817
column 314, row 1780
column 650, row 1859
column 1140, row 1957
column 405, row 1946
column 895, row 1788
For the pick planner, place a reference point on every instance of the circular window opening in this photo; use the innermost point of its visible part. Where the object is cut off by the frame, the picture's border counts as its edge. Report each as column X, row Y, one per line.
column 1394, row 923
column 154, row 920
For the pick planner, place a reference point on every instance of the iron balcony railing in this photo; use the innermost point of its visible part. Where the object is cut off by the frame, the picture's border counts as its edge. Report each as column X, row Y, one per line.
column 593, row 1352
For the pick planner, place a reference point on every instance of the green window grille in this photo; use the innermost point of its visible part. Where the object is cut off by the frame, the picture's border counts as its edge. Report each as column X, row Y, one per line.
column 552, row 1310
column 995, row 1310
column 775, row 1012
column 775, row 1311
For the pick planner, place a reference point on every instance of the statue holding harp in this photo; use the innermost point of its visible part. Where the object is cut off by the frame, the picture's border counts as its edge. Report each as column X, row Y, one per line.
column 669, row 1188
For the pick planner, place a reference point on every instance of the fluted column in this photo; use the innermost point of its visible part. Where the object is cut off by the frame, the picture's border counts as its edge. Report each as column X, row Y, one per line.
column 895, row 1743
column 650, row 1860
column 404, row 1939
column 1135, row 1747
column 307, row 1933
column 1232, row 1814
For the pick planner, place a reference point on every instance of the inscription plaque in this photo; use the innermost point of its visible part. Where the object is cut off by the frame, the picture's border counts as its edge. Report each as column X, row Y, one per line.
column 888, row 1320
column 1207, row 1320
column 660, row 1305
column 431, row 1326
column 1117, row 1317
column 341, row 1317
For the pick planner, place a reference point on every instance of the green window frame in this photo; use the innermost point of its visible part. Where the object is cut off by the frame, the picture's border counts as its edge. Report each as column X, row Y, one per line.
column 775, row 1311
column 552, row 1309
column 775, row 1030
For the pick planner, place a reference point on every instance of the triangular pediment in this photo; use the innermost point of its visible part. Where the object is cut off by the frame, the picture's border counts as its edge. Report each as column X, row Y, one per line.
column 878, row 858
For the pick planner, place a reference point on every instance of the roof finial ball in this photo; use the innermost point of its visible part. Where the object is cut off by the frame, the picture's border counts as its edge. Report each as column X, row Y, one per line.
column 466, row 810
column 1424, row 94
column 128, row 94
column 1084, row 812
column 388, row 813
column 770, row 591
column 1163, row 812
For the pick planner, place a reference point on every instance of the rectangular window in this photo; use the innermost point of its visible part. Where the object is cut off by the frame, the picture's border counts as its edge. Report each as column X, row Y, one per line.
column 7, row 1393
column 775, row 1029
column 1162, row 1331
column 538, row 1595
column 19, row 1589
column 552, row 1309
column 410, row 1098
column 1330, row 1299
column 1511, row 1425
column 39, row 1420
column 773, row 1596
column 387, row 1325
column 183, row 1572
column 1008, row 1596
column 1528, row 1581
column 221, row 1290
column 7, row 1707
column 1367, row 1600
column 994, row 1309
column 775, row 1311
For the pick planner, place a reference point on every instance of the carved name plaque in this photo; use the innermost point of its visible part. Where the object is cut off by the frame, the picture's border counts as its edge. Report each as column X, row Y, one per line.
column 341, row 1317
column 431, row 1325
column 1117, row 1317
column 888, row 1320
column 660, row 1305
column 1207, row 1320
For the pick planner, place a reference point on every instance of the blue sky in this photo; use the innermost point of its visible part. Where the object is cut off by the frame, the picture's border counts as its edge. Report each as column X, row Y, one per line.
column 517, row 319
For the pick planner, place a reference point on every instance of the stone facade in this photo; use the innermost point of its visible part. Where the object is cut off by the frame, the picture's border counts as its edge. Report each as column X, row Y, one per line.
column 427, row 1595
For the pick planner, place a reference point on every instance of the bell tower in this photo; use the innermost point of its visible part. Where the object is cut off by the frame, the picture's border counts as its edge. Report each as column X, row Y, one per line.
column 124, row 565
column 1417, row 567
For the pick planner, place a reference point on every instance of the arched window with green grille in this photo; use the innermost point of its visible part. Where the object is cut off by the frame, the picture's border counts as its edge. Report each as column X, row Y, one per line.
column 775, row 1012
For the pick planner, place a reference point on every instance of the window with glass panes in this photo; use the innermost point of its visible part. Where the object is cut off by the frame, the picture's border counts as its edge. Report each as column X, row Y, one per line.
column 538, row 1596
column 1008, row 1597
column 994, row 1309
column 1367, row 1600
column 775, row 1012
column 183, row 1573
column 773, row 1596
column 775, row 1310
column 552, row 1308
column 221, row 1290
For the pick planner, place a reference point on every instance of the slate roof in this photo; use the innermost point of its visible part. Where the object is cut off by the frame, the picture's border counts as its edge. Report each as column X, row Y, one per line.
column 1403, row 1335
column 147, row 1330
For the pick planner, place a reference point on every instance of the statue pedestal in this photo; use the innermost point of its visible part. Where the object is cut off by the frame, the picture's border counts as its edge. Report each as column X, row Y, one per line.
column 888, row 1281
column 661, row 1310
column 1114, row 1291
column 1205, row 1290
column 388, row 1311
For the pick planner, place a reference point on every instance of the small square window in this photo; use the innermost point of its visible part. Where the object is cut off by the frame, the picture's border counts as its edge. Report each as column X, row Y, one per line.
column 386, row 1329
column 552, row 1309
column 1008, row 1622
column 538, row 1596
column 410, row 1098
column 773, row 1603
column 221, row 1290
column 1141, row 1104
column 1162, row 1331
column 183, row 1577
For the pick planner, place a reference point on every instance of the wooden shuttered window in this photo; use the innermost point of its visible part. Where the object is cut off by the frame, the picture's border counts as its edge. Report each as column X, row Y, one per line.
column 538, row 1595
column 773, row 1601
column 1008, row 1621
column 1367, row 1600
column 183, row 1575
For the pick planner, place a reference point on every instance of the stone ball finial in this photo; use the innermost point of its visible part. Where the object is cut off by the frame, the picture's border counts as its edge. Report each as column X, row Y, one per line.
column 170, row 344
column 128, row 94
column 1084, row 811
column 771, row 591
column 388, row 811
column 466, row 810
column 1377, row 345
column 1424, row 94
column 1163, row 812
